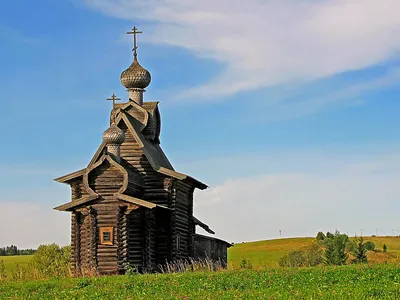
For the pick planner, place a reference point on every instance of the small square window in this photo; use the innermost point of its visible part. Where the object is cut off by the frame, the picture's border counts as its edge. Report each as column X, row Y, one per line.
column 106, row 235
column 178, row 242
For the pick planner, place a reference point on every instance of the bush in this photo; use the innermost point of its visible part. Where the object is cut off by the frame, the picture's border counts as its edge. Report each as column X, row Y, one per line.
column 293, row 259
column 52, row 260
column 370, row 246
column 384, row 248
column 320, row 236
column 313, row 255
column 246, row 264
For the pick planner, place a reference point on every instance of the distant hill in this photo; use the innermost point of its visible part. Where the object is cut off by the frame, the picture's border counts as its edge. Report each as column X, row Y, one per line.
column 268, row 252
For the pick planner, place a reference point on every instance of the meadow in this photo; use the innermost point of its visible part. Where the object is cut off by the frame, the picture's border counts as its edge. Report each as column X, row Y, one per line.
column 380, row 279
column 11, row 262
column 345, row 282
column 267, row 253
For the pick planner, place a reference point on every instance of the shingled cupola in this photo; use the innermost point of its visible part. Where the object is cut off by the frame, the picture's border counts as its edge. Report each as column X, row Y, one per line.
column 135, row 78
column 129, row 207
column 113, row 137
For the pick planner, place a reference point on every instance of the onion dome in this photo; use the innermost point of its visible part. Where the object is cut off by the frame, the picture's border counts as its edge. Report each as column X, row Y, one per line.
column 113, row 135
column 135, row 77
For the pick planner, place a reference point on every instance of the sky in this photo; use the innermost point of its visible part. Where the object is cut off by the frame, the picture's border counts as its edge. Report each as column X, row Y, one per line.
column 288, row 110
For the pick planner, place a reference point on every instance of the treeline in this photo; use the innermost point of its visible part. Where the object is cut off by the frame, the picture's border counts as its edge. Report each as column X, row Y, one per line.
column 13, row 250
column 330, row 249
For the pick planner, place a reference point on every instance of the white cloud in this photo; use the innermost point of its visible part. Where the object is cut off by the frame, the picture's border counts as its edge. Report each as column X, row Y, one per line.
column 349, row 195
column 298, row 193
column 28, row 225
column 264, row 43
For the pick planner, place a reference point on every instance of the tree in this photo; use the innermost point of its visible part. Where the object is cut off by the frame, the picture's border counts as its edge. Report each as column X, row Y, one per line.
column 329, row 235
column 313, row 255
column 335, row 248
column 370, row 246
column 320, row 236
column 52, row 260
column 360, row 251
column 309, row 257
column 293, row 259
column 384, row 248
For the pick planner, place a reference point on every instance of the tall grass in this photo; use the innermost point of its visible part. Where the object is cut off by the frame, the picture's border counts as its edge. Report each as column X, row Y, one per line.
column 49, row 261
column 192, row 265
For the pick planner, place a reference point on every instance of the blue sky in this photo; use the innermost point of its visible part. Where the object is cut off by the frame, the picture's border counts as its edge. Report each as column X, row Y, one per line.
column 268, row 101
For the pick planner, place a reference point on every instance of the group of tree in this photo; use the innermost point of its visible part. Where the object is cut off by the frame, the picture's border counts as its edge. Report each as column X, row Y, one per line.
column 309, row 257
column 13, row 250
column 330, row 249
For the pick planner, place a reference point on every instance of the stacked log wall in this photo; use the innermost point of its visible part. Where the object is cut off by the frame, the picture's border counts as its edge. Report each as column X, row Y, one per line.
column 155, row 190
column 84, row 243
column 163, row 236
column 78, row 190
column 105, row 181
column 75, row 243
column 135, row 239
column 182, row 220
column 122, row 240
column 149, row 236
column 208, row 247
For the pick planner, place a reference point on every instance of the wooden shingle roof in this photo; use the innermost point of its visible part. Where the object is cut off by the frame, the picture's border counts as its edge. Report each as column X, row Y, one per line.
column 151, row 148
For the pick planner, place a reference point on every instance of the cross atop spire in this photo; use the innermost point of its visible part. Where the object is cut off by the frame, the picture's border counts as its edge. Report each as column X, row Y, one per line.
column 134, row 32
column 113, row 98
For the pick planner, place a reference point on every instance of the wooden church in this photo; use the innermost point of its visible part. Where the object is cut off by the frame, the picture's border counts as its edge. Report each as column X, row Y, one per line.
column 129, row 207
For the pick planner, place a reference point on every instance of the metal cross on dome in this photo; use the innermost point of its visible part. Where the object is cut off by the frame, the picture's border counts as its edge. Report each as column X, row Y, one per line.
column 134, row 32
column 113, row 98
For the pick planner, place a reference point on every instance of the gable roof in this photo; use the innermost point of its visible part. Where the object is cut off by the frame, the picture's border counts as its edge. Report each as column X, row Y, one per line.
column 70, row 176
column 70, row 205
column 202, row 225
column 125, row 198
column 152, row 150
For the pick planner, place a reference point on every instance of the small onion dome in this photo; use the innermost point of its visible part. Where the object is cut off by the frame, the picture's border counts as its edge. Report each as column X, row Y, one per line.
column 135, row 77
column 113, row 135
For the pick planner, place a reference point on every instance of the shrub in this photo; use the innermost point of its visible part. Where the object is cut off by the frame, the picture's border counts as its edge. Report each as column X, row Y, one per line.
column 370, row 246
column 293, row 259
column 320, row 236
column 384, row 248
column 52, row 260
column 313, row 255
column 246, row 264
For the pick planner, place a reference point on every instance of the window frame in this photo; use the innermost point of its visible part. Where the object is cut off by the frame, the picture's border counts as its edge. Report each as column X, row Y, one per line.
column 103, row 230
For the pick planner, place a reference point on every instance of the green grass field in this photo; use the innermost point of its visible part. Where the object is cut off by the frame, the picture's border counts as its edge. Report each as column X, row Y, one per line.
column 373, row 281
column 11, row 262
column 267, row 253
column 345, row 282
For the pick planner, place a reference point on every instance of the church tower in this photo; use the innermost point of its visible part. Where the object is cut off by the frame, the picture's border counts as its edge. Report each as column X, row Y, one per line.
column 129, row 207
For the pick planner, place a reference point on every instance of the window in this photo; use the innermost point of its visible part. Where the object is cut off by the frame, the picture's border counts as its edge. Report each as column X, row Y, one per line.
column 178, row 242
column 106, row 235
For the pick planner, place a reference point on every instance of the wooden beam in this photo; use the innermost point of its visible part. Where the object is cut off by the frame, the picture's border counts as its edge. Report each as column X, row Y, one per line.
column 202, row 225
column 138, row 201
column 65, row 178
column 68, row 206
